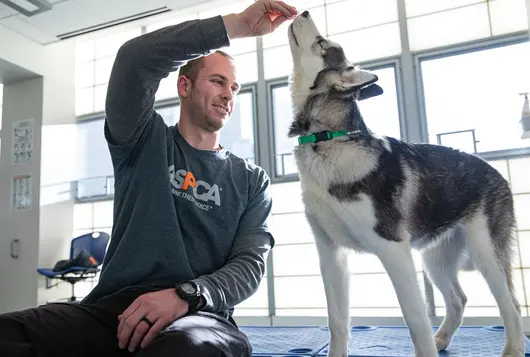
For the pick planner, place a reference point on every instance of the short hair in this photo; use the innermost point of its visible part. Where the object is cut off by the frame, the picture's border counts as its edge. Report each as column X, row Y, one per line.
column 192, row 67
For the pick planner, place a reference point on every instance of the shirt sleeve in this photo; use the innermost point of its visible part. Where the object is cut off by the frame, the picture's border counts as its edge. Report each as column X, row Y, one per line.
column 241, row 276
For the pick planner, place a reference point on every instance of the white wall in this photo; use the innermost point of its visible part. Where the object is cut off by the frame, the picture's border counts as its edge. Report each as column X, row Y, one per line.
column 18, row 279
column 47, row 230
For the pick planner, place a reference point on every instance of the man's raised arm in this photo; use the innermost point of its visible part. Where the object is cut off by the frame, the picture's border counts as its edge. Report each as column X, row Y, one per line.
column 142, row 62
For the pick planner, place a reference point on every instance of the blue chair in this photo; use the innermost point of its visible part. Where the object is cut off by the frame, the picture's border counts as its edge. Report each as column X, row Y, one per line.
column 86, row 256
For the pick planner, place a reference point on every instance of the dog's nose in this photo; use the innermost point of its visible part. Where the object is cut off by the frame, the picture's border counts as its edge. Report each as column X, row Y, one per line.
column 305, row 13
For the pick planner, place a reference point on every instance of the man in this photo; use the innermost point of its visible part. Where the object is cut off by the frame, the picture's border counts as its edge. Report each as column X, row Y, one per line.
column 190, row 238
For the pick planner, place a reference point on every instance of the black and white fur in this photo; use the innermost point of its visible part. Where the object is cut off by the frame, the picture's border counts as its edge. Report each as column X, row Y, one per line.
column 379, row 195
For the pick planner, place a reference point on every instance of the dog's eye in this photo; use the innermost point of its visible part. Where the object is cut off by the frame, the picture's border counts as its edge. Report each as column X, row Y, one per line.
column 350, row 68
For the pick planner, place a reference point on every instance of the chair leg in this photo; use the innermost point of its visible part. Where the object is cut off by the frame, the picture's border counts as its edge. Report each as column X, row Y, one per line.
column 72, row 298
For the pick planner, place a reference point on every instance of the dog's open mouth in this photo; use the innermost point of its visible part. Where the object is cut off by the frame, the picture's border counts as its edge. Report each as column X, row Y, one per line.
column 292, row 33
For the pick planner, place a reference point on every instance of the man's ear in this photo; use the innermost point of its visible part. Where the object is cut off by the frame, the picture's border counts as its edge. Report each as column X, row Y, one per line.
column 183, row 86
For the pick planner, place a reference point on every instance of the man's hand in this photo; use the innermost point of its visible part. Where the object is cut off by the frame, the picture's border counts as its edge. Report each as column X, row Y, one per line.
column 159, row 307
column 260, row 18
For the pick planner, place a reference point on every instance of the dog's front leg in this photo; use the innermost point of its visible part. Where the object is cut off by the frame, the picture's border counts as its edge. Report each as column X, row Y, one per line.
column 398, row 263
column 334, row 270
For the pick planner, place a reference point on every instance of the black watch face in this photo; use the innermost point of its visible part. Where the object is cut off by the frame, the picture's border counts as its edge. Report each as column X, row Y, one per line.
column 188, row 288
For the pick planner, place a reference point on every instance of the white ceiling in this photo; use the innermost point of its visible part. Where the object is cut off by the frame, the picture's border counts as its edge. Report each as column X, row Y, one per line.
column 73, row 15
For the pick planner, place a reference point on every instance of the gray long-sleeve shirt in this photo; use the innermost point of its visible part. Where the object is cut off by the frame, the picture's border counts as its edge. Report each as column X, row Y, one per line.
column 179, row 213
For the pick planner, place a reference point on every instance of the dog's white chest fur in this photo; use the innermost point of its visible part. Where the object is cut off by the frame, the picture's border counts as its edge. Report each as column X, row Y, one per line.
column 349, row 222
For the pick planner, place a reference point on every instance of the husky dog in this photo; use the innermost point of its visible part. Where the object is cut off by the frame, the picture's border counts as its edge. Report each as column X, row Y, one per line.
column 379, row 195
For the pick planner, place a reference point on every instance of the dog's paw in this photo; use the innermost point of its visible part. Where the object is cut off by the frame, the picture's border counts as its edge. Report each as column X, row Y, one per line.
column 441, row 343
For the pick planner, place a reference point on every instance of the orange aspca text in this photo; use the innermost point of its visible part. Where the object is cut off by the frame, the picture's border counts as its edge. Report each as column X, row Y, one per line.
column 184, row 180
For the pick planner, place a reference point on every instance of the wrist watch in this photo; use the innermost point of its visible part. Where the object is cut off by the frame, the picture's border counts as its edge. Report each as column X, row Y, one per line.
column 189, row 291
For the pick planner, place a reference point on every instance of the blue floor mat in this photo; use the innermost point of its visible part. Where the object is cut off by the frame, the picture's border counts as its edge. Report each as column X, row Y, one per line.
column 372, row 341
column 286, row 340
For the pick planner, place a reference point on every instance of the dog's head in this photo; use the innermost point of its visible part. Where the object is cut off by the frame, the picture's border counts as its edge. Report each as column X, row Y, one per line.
column 321, row 69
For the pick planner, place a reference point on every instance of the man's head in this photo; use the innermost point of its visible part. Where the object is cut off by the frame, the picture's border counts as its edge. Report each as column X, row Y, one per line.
column 207, row 87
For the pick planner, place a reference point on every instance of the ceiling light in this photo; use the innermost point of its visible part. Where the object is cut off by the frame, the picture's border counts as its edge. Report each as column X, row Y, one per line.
column 28, row 7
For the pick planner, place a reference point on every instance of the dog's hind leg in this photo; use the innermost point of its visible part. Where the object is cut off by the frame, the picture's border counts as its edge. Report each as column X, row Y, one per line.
column 490, row 252
column 441, row 263
column 334, row 269
column 396, row 257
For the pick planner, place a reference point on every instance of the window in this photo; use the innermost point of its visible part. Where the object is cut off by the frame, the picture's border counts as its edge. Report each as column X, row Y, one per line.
column 356, row 31
column 94, row 61
column 381, row 114
column 470, row 20
column 475, row 96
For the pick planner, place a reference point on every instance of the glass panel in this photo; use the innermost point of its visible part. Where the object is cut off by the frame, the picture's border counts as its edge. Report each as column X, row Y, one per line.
column 462, row 140
column 273, row 56
column 251, row 312
column 290, row 228
column 520, row 175
column 260, row 299
column 238, row 134
column 369, row 263
column 296, row 259
column 279, row 36
column 282, row 118
column 168, row 87
column 522, row 207
column 502, row 167
column 420, row 7
column 93, row 157
column 287, row 197
column 524, row 249
column 103, row 69
column 375, row 290
column 92, row 187
column 475, row 288
column 467, row 23
column 299, row 292
column 471, row 311
column 84, row 101
column 247, row 67
column 359, row 45
column 100, row 95
column 103, row 212
column 345, row 15
column 84, row 51
column 508, row 16
column 170, row 114
column 84, row 75
column 381, row 113
column 241, row 45
column 494, row 115
column 83, row 216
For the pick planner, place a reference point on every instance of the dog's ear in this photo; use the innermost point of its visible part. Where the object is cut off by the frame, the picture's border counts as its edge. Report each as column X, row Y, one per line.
column 353, row 82
column 372, row 90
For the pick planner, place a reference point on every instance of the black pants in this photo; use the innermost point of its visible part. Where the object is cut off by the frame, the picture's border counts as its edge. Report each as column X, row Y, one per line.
column 72, row 330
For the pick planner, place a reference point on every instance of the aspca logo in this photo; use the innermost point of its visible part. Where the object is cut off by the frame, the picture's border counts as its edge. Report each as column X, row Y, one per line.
column 185, row 181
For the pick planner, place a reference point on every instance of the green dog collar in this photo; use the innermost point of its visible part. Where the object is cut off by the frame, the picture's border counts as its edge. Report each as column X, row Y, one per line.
column 321, row 136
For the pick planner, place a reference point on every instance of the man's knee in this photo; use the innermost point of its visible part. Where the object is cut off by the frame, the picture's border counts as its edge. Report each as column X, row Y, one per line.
column 201, row 342
column 180, row 343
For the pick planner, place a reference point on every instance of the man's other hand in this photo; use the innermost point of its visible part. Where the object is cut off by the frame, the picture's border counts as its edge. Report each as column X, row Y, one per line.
column 260, row 18
column 159, row 308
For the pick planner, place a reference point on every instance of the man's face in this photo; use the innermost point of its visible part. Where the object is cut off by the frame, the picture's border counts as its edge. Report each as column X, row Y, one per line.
column 211, row 96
